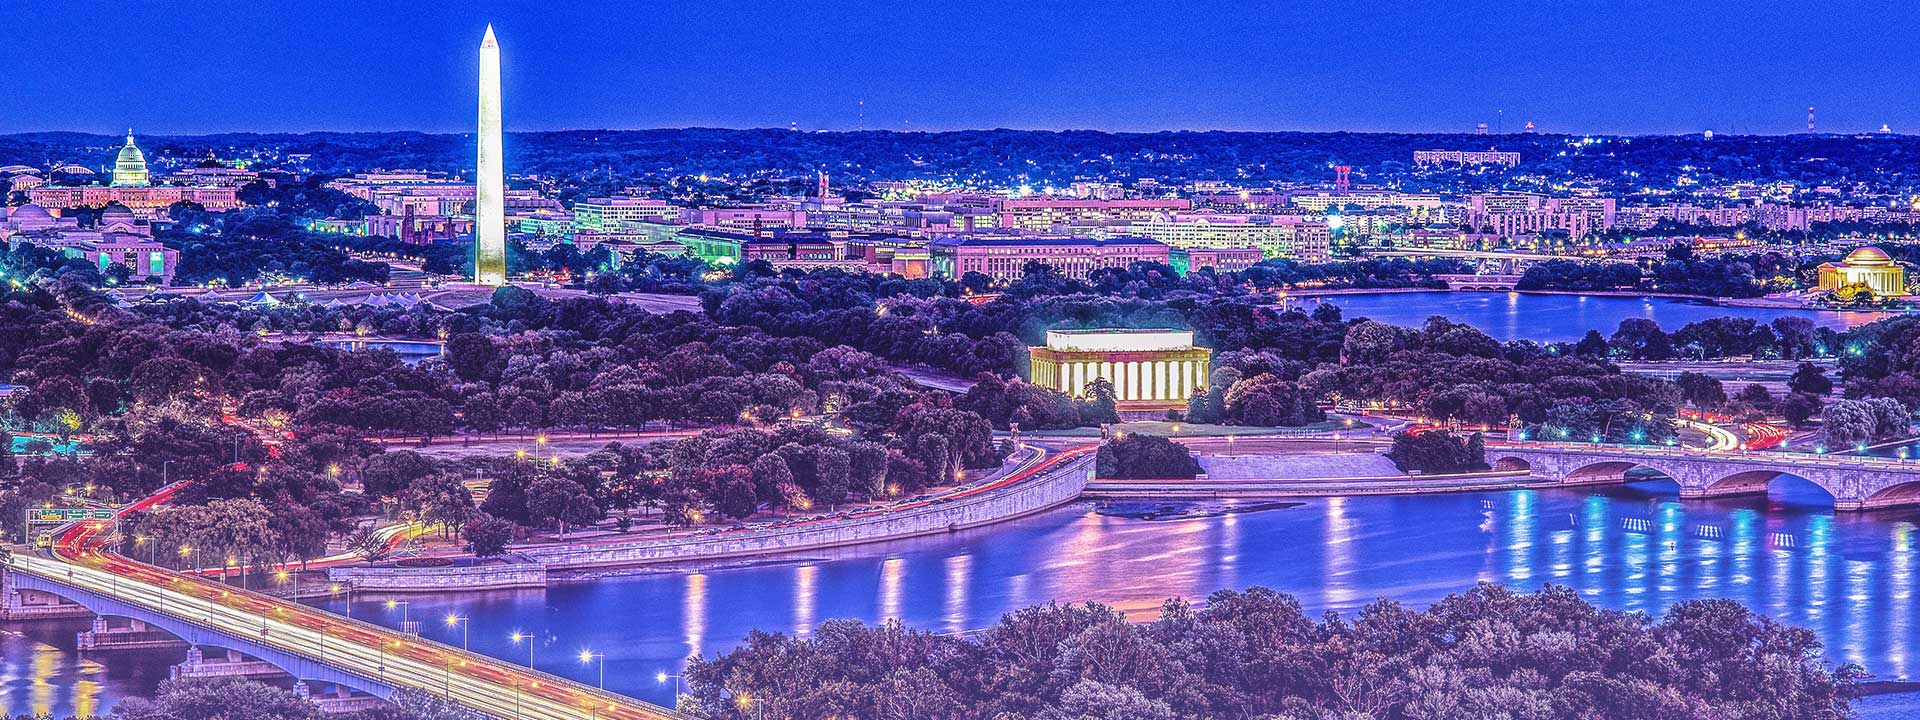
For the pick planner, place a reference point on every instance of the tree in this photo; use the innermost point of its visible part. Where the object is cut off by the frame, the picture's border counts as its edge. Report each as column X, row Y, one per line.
column 1268, row 401
column 440, row 499
column 1643, row 339
column 507, row 495
column 1890, row 417
column 1199, row 407
column 559, row 501
column 1847, row 423
column 1591, row 345
column 1097, row 403
column 388, row 473
column 1811, row 379
column 1701, row 391
column 1797, row 408
column 1146, row 456
column 1434, row 451
column 487, row 536
column 218, row 699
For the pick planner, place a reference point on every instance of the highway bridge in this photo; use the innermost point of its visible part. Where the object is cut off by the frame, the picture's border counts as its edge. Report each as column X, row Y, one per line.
column 1855, row 482
column 353, row 658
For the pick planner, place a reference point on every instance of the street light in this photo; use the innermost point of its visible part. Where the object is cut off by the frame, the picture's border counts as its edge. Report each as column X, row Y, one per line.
column 517, row 637
column 406, row 616
column 460, row 620
column 662, row 679
column 759, row 708
column 588, row 657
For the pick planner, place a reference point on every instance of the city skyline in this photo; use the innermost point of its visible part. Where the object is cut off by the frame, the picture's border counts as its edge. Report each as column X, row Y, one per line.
column 1005, row 361
column 1621, row 68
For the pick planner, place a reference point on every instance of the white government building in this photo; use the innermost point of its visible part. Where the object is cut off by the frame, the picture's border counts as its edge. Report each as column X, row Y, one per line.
column 1149, row 368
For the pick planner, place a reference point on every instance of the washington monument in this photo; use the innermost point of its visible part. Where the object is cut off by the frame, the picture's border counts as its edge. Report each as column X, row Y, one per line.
column 490, row 217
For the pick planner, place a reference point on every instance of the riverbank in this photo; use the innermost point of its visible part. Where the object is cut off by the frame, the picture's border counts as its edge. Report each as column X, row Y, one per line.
column 1039, row 483
column 1110, row 489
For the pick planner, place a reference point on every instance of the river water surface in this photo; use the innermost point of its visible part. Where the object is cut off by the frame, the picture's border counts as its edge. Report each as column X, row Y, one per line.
column 1543, row 317
column 1850, row 578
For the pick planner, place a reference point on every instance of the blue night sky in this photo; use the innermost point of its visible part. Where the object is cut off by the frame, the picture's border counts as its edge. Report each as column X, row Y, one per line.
column 1629, row 66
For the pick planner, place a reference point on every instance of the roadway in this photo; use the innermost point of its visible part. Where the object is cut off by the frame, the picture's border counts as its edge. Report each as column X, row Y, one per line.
column 80, row 559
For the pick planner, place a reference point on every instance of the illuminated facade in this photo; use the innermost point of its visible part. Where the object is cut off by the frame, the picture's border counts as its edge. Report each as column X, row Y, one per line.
column 609, row 215
column 1465, row 157
column 1044, row 214
column 131, row 185
column 1867, row 266
column 490, row 215
column 130, row 168
column 1005, row 258
column 1149, row 369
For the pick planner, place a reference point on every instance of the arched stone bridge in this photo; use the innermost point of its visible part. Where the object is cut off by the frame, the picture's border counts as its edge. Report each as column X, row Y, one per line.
column 1855, row 483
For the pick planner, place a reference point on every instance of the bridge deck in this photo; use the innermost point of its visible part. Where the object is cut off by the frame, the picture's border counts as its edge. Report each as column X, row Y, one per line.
column 379, row 655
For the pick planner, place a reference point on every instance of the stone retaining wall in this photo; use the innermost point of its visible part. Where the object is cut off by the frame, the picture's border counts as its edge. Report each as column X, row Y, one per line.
column 1044, row 491
column 471, row 577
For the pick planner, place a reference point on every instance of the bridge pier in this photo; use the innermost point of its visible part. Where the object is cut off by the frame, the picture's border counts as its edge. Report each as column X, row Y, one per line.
column 135, row 636
column 229, row 663
column 341, row 700
column 18, row 603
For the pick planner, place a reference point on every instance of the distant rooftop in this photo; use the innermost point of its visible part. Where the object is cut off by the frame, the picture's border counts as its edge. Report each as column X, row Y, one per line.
column 1119, row 339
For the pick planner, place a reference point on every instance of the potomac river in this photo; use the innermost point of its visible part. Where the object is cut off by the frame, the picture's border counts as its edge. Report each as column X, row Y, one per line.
column 1851, row 578
column 1553, row 317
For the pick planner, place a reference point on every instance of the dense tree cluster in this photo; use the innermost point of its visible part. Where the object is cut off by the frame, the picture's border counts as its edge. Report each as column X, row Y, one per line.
column 1879, row 360
column 1487, row 652
column 1139, row 455
column 1682, row 271
column 1431, row 451
column 1453, row 372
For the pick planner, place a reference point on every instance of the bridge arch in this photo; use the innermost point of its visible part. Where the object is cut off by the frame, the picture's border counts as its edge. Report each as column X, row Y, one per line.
column 1512, row 463
column 1903, row 494
column 1613, row 470
column 1757, row 481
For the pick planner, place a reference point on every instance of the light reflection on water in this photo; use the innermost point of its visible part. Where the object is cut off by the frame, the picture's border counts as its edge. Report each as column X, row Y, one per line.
column 1530, row 316
column 1848, row 577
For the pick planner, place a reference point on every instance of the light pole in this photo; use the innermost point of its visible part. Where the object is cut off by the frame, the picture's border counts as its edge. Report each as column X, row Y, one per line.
column 518, row 636
column 748, row 703
column 460, row 620
column 662, row 679
column 588, row 657
column 406, row 616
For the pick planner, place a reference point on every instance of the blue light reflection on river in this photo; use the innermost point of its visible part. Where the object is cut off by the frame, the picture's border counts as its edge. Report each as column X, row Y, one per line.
column 1554, row 317
column 1848, row 577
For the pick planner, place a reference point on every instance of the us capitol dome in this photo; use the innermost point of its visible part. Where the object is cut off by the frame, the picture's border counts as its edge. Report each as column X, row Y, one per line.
column 130, row 168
